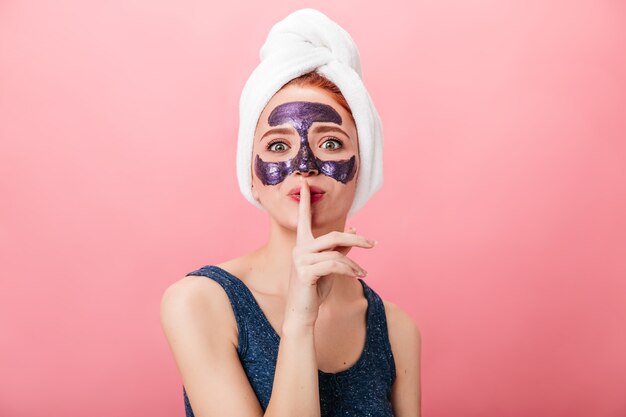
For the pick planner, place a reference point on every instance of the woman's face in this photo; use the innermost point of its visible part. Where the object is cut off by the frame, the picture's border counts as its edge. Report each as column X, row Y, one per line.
column 303, row 131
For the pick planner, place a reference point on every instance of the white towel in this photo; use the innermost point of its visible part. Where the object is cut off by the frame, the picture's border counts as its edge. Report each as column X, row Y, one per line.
column 304, row 41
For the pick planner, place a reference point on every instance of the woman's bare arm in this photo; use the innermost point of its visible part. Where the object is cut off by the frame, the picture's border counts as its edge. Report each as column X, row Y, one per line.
column 199, row 324
column 296, row 388
column 197, row 319
column 406, row 344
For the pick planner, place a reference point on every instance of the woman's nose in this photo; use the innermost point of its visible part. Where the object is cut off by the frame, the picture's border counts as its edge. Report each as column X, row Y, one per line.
column 309, row 172
column 305, row 162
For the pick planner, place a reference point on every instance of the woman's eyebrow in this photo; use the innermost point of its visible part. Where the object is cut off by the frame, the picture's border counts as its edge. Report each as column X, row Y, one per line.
column 326, row 129
column 278, row 131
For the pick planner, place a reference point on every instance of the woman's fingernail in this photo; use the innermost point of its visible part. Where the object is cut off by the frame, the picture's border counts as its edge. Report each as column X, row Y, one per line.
column 372, row 242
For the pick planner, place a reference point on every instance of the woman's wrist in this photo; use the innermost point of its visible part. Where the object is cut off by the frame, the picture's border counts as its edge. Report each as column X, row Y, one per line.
column 295, row 327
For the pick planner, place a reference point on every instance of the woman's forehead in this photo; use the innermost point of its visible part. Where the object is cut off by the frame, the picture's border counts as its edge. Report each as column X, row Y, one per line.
column 302, row 114
column 294, row 93
column 280, row 104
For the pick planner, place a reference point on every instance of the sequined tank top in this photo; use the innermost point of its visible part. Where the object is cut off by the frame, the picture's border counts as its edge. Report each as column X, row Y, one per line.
column 362, row 390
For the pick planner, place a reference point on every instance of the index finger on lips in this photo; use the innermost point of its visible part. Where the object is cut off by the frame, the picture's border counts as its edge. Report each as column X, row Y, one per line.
column 304, row 212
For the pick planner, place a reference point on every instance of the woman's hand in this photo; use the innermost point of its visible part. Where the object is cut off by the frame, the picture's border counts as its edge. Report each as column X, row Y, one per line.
column 316, row 262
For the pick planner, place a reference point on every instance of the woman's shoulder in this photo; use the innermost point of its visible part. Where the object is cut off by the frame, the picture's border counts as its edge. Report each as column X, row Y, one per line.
column 404, row 336
column 200, row 292
column 192, row 290
column 195, row 285
column 200, row 300
column 397, row 318
column 394, row 310
column 197, row 288
column 403, row 330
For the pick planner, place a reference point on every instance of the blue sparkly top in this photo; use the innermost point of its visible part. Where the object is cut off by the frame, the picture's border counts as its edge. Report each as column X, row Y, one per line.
column 361, row 390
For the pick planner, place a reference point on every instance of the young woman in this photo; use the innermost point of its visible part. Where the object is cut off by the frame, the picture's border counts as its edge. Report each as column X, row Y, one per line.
column 292, row 328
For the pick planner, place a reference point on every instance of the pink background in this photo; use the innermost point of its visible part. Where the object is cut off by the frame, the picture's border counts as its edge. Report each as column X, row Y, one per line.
column 501, row 223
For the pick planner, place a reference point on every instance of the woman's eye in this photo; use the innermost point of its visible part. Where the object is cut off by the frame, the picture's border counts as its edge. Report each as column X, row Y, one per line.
column 332, row 144
column 277, row 147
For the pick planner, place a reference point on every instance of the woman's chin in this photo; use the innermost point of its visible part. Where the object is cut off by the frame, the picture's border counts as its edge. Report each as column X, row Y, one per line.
column 323, row 216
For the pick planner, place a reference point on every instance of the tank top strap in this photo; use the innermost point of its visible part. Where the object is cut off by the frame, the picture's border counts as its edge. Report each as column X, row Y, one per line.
column 238, row 296
column 379, row 333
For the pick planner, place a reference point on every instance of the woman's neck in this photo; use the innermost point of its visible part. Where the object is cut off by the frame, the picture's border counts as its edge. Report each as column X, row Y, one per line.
column 273, row 260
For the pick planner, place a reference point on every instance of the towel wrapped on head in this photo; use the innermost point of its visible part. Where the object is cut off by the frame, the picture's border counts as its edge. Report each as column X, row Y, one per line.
column 304, row 41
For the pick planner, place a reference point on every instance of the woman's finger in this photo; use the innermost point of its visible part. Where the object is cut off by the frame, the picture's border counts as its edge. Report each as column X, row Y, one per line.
column 336, row 267
column 303, row 233
column 313, row 258
column 333, row 239
column 345, row 249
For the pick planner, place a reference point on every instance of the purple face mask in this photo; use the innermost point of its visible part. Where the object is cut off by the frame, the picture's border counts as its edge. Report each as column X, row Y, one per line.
column 301, row 115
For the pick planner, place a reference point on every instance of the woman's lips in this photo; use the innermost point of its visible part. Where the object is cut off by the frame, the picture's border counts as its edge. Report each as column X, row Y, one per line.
column 312, row 188
column 315, row 197
column 316, row 193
